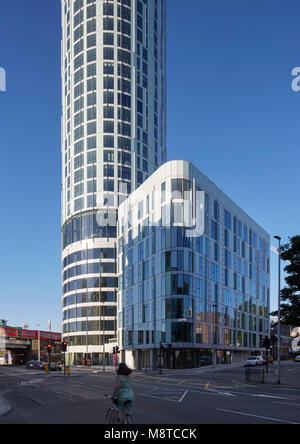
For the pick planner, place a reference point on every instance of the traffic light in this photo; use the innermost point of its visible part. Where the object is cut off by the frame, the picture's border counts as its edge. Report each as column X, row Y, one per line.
column 49, row 348
column 266, row 342
column 64, row 345
column 273, row 339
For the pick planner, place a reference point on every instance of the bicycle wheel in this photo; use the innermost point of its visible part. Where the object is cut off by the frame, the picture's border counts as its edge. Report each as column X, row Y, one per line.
column 109, row 416
column 129, row 419
column 126, row 419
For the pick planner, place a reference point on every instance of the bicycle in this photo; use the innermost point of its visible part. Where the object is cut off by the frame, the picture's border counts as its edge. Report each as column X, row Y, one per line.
column 124, row 418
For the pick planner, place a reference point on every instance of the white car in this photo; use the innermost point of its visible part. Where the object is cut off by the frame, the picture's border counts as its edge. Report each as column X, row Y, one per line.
column 297, row 358
column 254, row 360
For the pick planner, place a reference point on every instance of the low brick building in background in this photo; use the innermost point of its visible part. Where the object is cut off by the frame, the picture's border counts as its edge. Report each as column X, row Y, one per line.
column 18, row 345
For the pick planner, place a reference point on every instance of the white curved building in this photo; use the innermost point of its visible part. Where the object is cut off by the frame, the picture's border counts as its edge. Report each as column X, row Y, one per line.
column 113, row 138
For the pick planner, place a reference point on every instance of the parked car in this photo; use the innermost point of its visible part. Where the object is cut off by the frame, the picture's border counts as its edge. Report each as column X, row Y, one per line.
column 55, row 367
column 297, row 358
column 35, row 365
column 269, row 361
column 254, row 360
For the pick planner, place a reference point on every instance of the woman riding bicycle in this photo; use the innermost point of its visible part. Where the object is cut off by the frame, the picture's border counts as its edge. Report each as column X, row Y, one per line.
column 123, row 395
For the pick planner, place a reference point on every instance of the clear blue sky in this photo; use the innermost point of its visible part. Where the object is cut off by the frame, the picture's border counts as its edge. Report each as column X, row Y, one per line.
column 231, row 110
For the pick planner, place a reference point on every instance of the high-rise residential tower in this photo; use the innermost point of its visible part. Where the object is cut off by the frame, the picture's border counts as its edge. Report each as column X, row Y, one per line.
column 113, row 138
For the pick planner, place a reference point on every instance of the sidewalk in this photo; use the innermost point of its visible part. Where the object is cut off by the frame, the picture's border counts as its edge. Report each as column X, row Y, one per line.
column 289, row 376
column 5, row 407
column 191, row 371
column 290, row 372
column 165, row 372
column 95, row 368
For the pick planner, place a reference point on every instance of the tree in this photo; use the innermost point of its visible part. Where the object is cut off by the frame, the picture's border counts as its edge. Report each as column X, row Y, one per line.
column 290, row 295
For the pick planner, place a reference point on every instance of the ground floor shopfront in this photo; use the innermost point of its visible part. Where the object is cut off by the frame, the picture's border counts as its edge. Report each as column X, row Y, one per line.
column 167, row 357
column 89, row 359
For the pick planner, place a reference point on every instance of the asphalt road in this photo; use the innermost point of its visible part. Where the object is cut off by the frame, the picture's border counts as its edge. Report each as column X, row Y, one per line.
column 219, row 397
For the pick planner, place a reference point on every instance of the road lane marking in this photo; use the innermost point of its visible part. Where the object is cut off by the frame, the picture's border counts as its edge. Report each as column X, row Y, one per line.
column 33, row 382
column 37, row 401
column 261, row 395
column 164, row 398
column 219, row 392
column 286, row 403
column 257, row 416
column 269, row 396
column 183, row 396
column 66, row 395
column 167, row 395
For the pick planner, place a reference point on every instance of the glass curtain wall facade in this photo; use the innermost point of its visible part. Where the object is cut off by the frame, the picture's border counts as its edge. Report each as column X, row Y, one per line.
column 189, row 297
column 113, row 138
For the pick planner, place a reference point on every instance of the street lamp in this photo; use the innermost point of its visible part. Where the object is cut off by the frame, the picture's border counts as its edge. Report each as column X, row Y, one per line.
column 39, row 342
column 215, row 307
column 279, row 312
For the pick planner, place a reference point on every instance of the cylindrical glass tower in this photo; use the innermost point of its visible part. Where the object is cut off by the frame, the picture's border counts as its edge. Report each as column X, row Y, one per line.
column 113, row 138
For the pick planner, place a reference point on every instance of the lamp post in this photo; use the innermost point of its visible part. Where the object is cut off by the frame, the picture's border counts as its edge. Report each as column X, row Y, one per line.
column 279, row 312
column 103, row 340
column 39, row 342
column 215, row 307
column 87, row 314
column 236, row 327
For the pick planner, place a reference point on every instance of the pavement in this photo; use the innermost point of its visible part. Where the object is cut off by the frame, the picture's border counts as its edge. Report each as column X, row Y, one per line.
column 5, row 406
column 195, row 371
column 166, row 372
column 287, row 375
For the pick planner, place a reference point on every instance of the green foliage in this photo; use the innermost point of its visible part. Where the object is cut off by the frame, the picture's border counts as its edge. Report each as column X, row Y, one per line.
column 290, row 295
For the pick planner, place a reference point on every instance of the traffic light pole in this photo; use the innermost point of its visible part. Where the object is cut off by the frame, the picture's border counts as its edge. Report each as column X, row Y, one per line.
column 266, row 344
column 64, row 349
column 49, row 349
